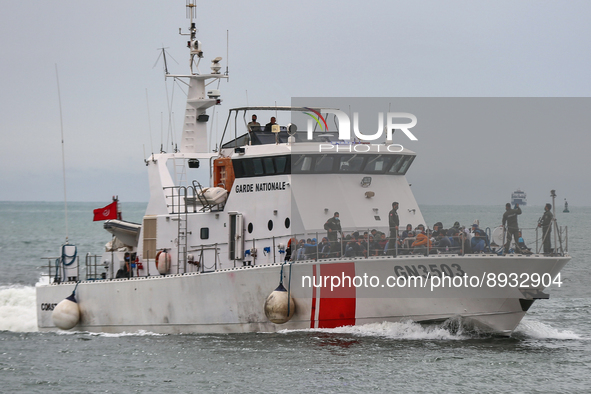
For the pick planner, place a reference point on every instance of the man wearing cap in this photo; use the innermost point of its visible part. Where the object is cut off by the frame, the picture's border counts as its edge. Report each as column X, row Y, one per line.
column 512, row 229
column 393, row 221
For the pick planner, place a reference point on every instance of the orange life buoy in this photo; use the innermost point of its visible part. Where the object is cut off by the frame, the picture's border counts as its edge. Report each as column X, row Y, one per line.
column 163, row 262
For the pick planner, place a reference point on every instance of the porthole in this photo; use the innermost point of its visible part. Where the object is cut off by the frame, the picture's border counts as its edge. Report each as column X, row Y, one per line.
column 270, row 225
column 287, row 222
column 250, row 228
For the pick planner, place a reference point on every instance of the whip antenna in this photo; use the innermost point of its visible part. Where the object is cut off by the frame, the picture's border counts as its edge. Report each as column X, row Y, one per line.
column 227, row 52
column 59, row 97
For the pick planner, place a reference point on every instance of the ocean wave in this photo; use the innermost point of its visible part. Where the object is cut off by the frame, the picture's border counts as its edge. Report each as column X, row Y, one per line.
column 396, row 330
column 17, row 309
column 139, row 333
column 538, row 330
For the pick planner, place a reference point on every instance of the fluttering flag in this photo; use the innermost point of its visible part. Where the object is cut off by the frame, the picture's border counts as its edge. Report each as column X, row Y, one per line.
column 106, row 213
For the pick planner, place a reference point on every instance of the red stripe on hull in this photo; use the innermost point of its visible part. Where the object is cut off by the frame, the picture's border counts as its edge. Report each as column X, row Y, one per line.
column 337, row 307
column 313, row 298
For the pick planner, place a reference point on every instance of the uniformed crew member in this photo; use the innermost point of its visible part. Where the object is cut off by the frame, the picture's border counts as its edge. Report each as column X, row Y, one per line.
column 333, row 227
column 546, row 225
column 512, row 228
column 393, row 221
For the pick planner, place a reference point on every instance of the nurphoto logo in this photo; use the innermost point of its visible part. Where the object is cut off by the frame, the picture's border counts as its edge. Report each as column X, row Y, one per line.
column 345, row 124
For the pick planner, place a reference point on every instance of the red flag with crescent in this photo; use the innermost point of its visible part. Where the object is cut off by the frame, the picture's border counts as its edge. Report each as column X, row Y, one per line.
column 106, row 213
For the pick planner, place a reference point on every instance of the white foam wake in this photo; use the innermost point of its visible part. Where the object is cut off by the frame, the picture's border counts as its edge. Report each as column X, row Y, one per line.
column 139, row 333
column 409, row 330
column 17, row 309
column 400, row 330
column 538, row 330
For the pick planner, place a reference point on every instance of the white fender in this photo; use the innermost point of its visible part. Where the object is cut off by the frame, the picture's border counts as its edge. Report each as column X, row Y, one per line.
column 66, row 314
column 276, row 306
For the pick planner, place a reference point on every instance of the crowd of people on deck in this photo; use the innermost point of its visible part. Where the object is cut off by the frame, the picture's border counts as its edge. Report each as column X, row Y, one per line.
column 419, row 240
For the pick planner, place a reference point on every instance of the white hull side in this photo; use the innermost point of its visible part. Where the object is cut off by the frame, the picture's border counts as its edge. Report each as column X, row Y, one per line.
column 231, row 301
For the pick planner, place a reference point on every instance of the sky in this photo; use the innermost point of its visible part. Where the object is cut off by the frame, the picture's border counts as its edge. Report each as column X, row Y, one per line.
column 114, row 100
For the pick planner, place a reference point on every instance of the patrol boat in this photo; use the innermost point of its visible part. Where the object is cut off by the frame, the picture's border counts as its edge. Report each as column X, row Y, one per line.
column 519, row 197
column 215, row 252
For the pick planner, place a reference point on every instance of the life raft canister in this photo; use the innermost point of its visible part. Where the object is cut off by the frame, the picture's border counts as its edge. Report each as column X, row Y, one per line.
column 163, row 260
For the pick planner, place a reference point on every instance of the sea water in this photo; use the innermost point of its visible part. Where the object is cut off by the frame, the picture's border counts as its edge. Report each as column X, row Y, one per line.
column 549, row 352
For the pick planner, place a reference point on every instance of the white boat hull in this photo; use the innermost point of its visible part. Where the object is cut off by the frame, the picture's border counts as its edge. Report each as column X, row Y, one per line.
column 193, row 303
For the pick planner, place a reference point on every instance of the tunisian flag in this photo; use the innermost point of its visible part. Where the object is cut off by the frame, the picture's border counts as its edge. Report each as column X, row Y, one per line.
column 106, row 213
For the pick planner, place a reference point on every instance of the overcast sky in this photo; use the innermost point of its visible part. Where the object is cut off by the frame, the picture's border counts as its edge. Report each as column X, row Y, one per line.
column 105, row 53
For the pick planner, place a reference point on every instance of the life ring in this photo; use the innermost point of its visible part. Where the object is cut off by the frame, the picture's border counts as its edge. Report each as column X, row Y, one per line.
column 163, row 262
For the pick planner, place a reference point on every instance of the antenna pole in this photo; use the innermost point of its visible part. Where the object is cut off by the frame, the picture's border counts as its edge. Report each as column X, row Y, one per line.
column 227, row 52
column 165, row 64
column 59, row 97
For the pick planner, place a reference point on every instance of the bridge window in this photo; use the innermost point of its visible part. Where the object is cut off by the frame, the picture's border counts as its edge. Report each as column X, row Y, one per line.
column 351, row 163
column 269, row 167
column 261, row 166
column 302, row 163
column 281, row 164
column 324, row 163
column 258, row 166
column 401, row 164
column 396, row 164
column 378, row 164
column 392, row 164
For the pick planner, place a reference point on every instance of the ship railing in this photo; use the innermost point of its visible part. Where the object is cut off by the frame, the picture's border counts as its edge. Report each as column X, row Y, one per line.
column 277, row 249
column 535, row 236
column 558, row 238
column 273, row 247
column 57, row 273
column 460, row 244
column 95, row 268
column 53, row 268
column 197, row 256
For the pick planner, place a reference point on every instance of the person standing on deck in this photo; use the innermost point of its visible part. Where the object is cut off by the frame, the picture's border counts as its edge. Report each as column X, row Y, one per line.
column 512, row 228
column 333, row 227
column 546, row 224
column 393, row 221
